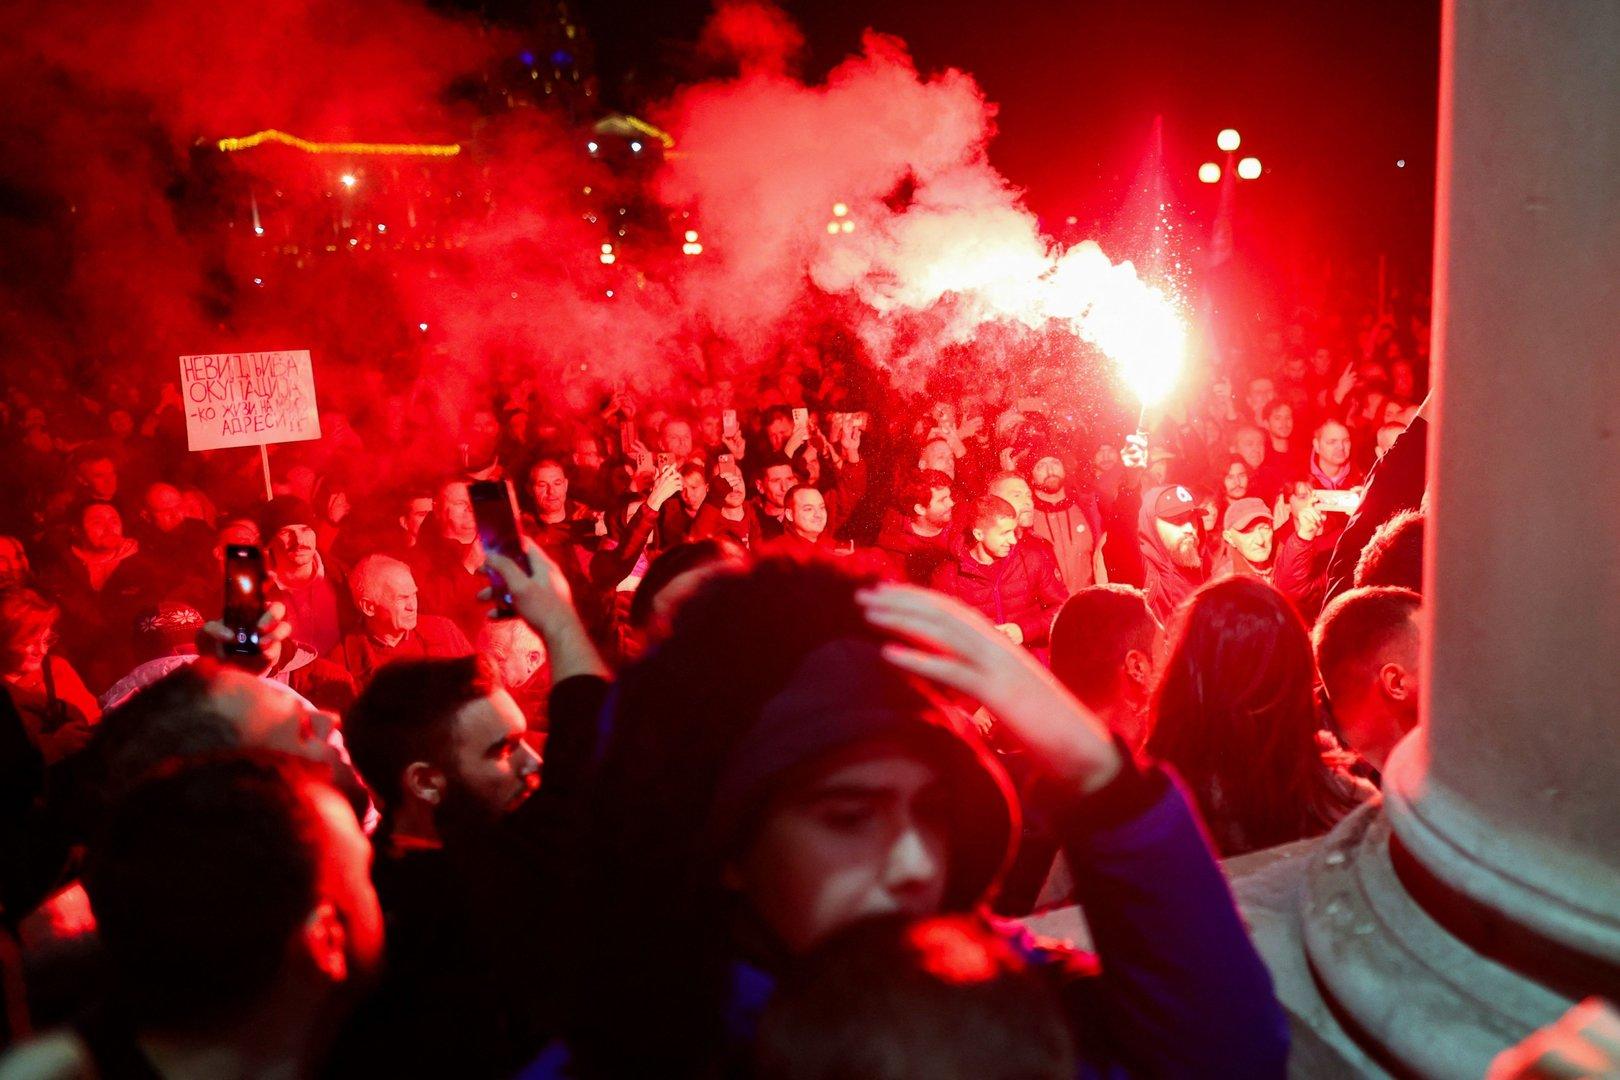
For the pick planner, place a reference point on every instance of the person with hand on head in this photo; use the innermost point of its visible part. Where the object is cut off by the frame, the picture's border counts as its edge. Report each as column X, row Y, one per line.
column 790, row 753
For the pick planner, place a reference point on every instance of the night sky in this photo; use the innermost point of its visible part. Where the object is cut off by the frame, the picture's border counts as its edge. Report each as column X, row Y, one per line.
column 1329, row 95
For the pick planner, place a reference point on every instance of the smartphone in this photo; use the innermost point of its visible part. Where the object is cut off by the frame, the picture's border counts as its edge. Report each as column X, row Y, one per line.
column 1337, row 502
column 723, row 459
column 495, row 509
column 728, row 423
column 627, row 437
column 801, row 420
column 244, row 598
column 666, row 461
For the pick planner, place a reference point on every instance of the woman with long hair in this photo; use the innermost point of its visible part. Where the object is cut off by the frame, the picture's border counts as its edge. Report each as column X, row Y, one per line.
column 1236, row 716
column 56, row 709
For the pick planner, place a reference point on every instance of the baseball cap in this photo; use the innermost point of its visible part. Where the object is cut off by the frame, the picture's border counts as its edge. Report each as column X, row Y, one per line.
column 1244, row 513
column 1175, row 503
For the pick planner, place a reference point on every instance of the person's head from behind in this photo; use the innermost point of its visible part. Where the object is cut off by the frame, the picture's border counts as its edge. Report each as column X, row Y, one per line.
column 384, row 591
column 925, row 498
column 1367, row 645
column 769, row 757
column 936, row 454
column 1384, row 440
column 1014, row 489
column 673, row 577
column 1235, row 714
column 994, row 529
column 1394, row 554
column 440, row 745
column 943, row 998
column 233, row 890
column 805, row 512
column 1104, row 649
column 1249, row 443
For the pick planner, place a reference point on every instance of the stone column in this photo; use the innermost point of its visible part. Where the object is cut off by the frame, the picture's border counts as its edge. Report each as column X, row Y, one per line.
column 1484, row 896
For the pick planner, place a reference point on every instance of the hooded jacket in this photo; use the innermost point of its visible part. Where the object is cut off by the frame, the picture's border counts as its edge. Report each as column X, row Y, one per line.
column 1073, row 526
column 1184, row 995
column 1166, row 582
column 910, row 557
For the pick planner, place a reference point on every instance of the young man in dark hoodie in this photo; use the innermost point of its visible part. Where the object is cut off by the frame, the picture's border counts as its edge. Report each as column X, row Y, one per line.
column 784, row 766
column 1167, row 532
column 1013, row 585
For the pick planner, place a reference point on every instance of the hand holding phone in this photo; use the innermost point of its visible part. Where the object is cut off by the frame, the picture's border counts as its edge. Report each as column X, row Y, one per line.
column 801, row 423
column 244, row 598
column 1337, row 502
column 495, row 510
column 728, row 424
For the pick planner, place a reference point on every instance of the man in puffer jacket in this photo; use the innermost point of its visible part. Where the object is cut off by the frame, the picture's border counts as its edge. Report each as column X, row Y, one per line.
column 1012, row 585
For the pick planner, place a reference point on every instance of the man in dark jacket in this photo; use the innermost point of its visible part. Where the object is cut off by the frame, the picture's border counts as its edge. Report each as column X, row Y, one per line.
column 914, row 539
column 1167, row 533
column 1013, row 586
column 391, row 627
column 1070, row 521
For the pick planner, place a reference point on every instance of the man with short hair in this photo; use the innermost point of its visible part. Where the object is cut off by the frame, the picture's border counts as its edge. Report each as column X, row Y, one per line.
column 914, row 541
column 1368, row 641
column 1282, row 462
column 1070, row 522
column 1167, row 534
column 1330, row 458
column 391, row 628
column 1105, row 650
column 773, row 479
column 415, row 507
column 235, row 939
column 1249, row 443
column 936, row 454
column 676, row 438
column 1260, row 394
column 804, row 519
column 167, row 534
column 299, row 575
column 1385, row 439
column 1017, row 590
column 1394, row 554
column 677, row 516
column 733, row 513
column 1247, row 532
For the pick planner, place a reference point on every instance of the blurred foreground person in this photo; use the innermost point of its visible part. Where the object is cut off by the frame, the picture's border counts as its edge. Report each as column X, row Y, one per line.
column 1236, row 716
column 947, row 998
column 785, row 765
column 238, row 925
column 1367, row 644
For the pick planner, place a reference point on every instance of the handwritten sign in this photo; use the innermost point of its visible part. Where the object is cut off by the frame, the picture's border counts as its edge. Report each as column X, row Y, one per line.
column 247, row 399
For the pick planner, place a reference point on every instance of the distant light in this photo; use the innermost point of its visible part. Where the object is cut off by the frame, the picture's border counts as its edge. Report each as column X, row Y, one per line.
column 591, row 146
column 607, row 249
column 258, row 281
column 422, row 326
column 258, row 230
column 839, row 209
column 527, row 58
column 1229, row 140
column 1400, row 163
column 692, row 248
column 608, row 258
column 347, row 180
column 610, row 294
column 587, row 191
column 691, row 236
column 635, row 147
column 1071, row 220
column 381, row 227
column 832, row 227
column 354, row 241
column 1249, row 168
column 847, row 225
column 1209, row 173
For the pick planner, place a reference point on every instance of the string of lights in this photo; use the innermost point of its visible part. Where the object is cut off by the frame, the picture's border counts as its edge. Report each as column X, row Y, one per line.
column 271, row 135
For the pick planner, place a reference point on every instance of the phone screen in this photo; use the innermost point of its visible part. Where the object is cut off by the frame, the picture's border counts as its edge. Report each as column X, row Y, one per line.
column 244, row 598
column 627, row 437
column 666, row 461
column 728, row 423
column 1337, row 502
column 801, row 419
column 495, row 510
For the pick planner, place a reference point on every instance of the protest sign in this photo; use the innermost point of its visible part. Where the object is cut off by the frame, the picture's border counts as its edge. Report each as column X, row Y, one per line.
column 248, row 399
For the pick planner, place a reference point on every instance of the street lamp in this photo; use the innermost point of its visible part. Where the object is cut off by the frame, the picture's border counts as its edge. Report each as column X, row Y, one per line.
column 1228, row 140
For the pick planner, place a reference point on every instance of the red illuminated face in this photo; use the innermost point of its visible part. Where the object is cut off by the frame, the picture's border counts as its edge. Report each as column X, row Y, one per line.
column 774, row 486
column 678, row 438
column 865, row 834
column 694, row 489
column 550, row 489
column 1236, row 480
column 808, row 514
column 1332, row 447
column 1017, row 492
column 100, row 478
column 491, row 763
column 998, row 539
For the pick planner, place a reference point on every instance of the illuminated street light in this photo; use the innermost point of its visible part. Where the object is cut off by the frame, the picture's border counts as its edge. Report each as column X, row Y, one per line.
column 847, row 225
column 832, row 227
column 1249, row 168
column 1228, row 140
column 607, row 256
column 635, row 147
column 1209, row 173
column 839, row 209
column 691, row 236
column 347, row 180
column 591, row 146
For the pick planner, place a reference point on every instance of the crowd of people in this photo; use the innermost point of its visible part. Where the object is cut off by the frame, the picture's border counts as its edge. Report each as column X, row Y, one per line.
column 812, row 687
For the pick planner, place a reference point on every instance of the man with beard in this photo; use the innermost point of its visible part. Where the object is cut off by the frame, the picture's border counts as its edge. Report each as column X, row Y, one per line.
column 1167, row 533
column 1247, row 530
column 916, row 544
column 299, row 575
column 1070, row 522
column 441, row 746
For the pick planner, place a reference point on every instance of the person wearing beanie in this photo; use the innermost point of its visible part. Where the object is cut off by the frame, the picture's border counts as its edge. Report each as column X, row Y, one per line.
column 790, row 762
column 1069, row 520
column 299, row 576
